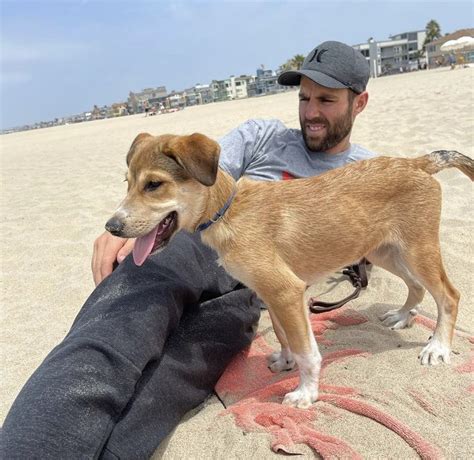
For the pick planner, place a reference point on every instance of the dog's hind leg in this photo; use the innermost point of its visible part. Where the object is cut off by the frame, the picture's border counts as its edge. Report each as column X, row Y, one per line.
column 280, row 360
column 390, row 258
column 426, row 264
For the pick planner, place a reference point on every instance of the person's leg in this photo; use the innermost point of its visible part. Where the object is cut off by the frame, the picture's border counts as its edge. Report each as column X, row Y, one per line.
column 70, row 405
column 194, row 358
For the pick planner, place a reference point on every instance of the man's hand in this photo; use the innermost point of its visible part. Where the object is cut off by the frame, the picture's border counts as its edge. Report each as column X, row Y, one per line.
column 109, row 249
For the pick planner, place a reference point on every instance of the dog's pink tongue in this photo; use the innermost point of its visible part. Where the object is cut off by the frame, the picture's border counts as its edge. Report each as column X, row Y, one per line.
column 143, row 247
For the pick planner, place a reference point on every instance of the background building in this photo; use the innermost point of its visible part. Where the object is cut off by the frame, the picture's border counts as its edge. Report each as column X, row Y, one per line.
column 267, row 82
column 203, row 93
column 241, row 85
column 154, row 96
column 400, row 53
column 221, row 90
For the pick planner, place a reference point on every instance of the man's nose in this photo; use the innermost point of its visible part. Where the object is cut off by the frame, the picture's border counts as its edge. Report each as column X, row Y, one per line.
column 312, row 110
column 114, row 226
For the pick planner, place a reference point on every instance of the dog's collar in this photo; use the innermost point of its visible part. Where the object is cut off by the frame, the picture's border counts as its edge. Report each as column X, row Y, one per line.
column 219, row 214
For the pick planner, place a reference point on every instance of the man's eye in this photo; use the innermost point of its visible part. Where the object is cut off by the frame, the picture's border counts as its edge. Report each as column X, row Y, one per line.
column 152, row 185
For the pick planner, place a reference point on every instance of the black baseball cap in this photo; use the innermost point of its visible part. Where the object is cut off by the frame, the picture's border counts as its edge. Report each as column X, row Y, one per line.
column 333, row 65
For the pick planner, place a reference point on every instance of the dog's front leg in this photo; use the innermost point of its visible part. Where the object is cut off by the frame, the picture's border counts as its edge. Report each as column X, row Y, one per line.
column 291, row 314
column 309, row 364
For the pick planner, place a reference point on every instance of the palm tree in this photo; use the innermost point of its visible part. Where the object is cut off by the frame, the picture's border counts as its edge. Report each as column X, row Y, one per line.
column 286, row 66
column 294, row 63
column 433, row 32
column 297, row 61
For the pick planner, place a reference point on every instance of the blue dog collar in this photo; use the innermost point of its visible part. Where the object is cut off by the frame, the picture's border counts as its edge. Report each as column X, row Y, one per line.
column 219, row 214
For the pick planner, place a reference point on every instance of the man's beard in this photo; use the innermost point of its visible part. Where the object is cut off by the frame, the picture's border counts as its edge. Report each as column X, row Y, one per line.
column 335, row 133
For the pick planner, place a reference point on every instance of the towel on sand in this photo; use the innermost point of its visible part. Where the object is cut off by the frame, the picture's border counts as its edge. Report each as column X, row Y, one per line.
column 362, row 390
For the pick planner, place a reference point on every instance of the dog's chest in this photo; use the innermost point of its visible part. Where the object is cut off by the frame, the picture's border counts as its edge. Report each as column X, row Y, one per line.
column 236, row 271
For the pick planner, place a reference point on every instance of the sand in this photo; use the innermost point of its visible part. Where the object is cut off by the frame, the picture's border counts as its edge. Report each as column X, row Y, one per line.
column 59, row 185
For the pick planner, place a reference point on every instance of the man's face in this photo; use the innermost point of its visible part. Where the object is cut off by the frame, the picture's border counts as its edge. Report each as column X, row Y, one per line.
column 326, row 117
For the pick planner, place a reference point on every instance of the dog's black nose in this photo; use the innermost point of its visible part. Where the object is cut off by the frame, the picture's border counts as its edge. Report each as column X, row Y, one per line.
column 114, row 226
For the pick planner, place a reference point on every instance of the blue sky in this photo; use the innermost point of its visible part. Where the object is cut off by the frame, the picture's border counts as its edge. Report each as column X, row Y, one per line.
column 61, row 57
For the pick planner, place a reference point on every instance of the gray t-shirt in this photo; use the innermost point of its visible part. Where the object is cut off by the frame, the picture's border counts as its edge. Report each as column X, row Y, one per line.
column 268, row 150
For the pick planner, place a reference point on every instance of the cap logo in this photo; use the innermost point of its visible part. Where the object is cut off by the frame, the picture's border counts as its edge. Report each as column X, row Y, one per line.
column 317, row 54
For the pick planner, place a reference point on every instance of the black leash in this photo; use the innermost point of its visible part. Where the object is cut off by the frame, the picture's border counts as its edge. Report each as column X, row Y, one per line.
column 358, row 276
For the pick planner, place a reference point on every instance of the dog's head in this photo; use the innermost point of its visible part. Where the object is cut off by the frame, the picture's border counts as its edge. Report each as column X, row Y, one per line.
column 167, row 180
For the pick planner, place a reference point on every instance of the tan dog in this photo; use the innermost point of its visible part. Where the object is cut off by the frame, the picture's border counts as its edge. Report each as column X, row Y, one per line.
column 279, row 237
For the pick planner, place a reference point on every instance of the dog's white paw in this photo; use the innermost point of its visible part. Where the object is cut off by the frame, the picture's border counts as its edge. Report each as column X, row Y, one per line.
column 398, row 319
column 281, row 361
column 434, row 352
column 302, row 397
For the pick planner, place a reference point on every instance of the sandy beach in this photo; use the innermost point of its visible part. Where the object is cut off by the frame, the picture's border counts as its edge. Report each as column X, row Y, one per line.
column 60, row 185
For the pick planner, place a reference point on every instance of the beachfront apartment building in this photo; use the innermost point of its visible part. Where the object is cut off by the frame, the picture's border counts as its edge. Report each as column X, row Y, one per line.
column 221, row 90
column 175, row 100
column 240, row 85
column 118, row 109
column 400, row 53
column 199, row 94
column 203, row 93
column 152, row 96
column 266, row 82
column 231, row 88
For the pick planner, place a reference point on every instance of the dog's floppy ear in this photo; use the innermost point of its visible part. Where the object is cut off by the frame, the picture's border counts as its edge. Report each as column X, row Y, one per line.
column 197, row 154
column 133, row 147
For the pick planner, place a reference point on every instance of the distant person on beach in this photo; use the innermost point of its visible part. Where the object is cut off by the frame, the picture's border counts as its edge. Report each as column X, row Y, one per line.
column 151, row 342
column 146, row 106
column 452, row 61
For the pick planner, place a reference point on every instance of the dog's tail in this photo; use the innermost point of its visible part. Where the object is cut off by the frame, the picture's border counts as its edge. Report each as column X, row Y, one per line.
column 436, row 161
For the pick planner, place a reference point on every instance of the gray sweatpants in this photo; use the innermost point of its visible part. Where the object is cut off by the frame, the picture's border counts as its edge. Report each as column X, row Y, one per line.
column 149, row 345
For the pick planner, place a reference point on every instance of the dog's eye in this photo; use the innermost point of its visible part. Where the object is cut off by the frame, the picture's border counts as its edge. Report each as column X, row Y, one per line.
column 152, row 185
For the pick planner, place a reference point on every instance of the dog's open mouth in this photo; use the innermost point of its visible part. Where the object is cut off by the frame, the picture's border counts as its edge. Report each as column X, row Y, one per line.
column 157, row 239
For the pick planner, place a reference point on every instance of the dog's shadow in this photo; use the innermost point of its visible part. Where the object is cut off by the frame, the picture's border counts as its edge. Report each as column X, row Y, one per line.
column 372, row 336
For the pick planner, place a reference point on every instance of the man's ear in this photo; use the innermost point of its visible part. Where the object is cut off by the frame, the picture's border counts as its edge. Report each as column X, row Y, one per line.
column 361, row 102
column 134, row 145
column 197, row 154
